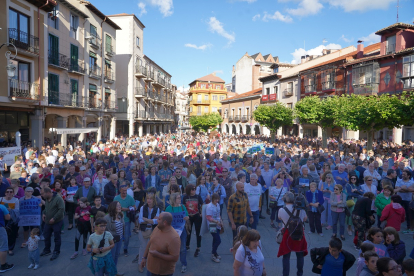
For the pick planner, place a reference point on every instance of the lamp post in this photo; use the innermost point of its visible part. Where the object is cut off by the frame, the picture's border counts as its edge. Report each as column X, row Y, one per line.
column 11, row 68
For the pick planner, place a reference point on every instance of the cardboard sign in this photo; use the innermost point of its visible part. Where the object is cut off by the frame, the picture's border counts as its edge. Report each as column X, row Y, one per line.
column 178, row 222
column 270, row 151
column 30, row 212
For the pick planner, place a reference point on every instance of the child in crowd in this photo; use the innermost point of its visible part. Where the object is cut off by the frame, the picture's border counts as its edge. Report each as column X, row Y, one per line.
column 332, row 260
column 24, row 179
column 83, row 215
column 100, row 244
column 408, row 267
column 395, row 246
column 95, row 209
column 33, row 246
column 376, row 237
column 365, row 247
column 370, row 268
column 241, row 232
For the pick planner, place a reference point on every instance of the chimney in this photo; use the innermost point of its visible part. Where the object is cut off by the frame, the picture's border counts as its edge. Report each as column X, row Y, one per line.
column 302, row 59
column 307, row 57
column 360, row 51
column 214, row 73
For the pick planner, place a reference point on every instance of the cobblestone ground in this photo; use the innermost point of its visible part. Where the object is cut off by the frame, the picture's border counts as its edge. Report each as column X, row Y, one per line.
column 201, row 265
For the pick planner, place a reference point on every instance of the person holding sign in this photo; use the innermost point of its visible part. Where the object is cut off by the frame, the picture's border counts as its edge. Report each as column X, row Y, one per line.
column 180, row 216
column 28, row 195
column 70, row 204
column 301, row 184
column 215, row 224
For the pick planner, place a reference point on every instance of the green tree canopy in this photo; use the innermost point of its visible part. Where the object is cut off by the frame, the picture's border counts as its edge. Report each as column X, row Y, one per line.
column 273, row 116
column 205, row 122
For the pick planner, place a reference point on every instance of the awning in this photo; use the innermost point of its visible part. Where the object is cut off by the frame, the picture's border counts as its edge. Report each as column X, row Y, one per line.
column 73, row 130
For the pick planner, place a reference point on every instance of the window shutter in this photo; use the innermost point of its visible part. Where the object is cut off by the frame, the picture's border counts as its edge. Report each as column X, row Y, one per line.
column 92, row 54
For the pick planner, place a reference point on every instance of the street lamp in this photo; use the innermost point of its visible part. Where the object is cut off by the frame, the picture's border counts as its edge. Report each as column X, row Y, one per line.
column 123, row 99
column 11, row 68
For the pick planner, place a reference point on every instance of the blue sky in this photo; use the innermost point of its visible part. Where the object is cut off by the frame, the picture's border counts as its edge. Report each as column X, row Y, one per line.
column 192, row 38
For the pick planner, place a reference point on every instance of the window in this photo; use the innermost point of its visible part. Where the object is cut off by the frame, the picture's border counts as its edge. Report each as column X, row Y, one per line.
column 328, row 79
column 290, row 88
column 310, row 83
column 93, row 88
column 122, row 106
column 247, row 111
column 108, row 44
column 53, row 89
column 214, row 109
column 276, row 70
column 92, row 60
column 390, row 47
column 255, row 107
column 107, row 97
column 206, row 109
column 275, row 90
column 267, row 91
column 94, row 35
column 203, row 86
column 198, row 110
column 289, row 105
column 222, row 98
column 53, row 18
column 226, row 113
column 191, row 109
column 206, row 97
column 214, row 97
column 218, row 86
column 92, row 96
column 20, row 84
column 210, row 86
column 74, row 55
column 74, row 24
column 138, row 42
column 74, row 87
column 408, row 71
column 19, row 28
column 53, row 50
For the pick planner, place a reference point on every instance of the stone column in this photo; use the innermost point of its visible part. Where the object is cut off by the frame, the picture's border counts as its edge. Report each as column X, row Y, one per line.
column 279, row 131
column 319, row 131
column 131, row 126
column 148, row 129
column 140, row 128
column 397, row 136
column 384, row 134
column 37, row 128
column 113, row 128
column 62, row 123
column 300, row 128
column 100, row 126
column 356, row 135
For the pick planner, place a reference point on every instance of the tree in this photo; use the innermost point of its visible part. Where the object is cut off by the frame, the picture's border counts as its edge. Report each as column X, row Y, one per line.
column 273, row 117
column 205, row 122
column 373, row 113
column 322, row 112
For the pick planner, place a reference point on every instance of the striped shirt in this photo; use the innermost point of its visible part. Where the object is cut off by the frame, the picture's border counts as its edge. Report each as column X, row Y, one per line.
column 119, row 228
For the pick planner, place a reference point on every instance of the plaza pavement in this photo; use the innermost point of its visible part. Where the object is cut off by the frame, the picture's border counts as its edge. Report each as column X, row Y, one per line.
column 200, row 266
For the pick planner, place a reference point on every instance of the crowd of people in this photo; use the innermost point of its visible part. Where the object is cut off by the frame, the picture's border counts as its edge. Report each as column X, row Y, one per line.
column 163, row 187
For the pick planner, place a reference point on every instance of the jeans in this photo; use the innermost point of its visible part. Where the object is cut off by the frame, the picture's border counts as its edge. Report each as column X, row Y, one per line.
column 12, row 236
column 216, row 241
column 256, row 215
column 183, row 250
column 315, row 222
column 341, row 217
column 115, row 252
column 142, row 246
column 265, row 194
column 221, row 209
column 275, row 214
column 127, row 234
column 99, row 272
column 196, row 220
column 47, row 233
column 406, row 205
column 70, row 210
column 152, row 274
column 299, row 264
column 34, row 256
column 326, row 216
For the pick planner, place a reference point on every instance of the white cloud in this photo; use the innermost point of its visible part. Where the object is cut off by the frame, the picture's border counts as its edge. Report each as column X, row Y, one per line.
column 183, row 88
column 277, row 16
column 165, row 7
column 217, row 27
column 142, row 9
column 370, row 39
column 306, row 7
column 201, row 47
column 298, row 53
column 361, row 5
column 347, row 40
column 256, row 17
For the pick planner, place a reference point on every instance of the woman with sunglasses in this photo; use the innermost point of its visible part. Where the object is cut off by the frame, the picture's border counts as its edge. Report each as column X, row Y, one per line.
column 338, row 205
column 193, row 202
column 353, row 191
column 369, row 187
column 12, row 204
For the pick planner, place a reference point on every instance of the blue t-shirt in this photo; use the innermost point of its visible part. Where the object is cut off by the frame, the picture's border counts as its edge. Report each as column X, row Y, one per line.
column 343, row 176
column 333, row 266
column 3, row 212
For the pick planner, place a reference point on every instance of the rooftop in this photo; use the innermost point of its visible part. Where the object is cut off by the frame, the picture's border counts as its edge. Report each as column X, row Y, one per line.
column 395, row 26
column 102, row 16
column 126, row 14
column 256, row 92
column 210, row 78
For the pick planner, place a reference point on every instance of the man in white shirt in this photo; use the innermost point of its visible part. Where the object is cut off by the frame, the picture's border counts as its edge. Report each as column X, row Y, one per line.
column 254, row 192
column 51, row 159
column 404, row 187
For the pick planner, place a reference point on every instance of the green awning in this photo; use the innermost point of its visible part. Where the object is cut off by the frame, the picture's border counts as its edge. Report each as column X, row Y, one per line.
column 92, row 54
column 108, row 62
column 93, row 88
column 108, row 90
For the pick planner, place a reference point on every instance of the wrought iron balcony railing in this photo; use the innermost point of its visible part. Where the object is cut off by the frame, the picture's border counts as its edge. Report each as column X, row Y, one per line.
column 95, row 71
column 24, row 90
column 77, row 67
column 109, row 75
column 95, row 40
column 23, row 40
column 58, row 60
column 63, row 99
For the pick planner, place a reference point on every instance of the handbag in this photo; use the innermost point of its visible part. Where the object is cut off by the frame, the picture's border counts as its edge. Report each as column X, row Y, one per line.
column 212, row 227
column 350, row 203
column 320, row 208
column 101, row 244
column 279, row 235
column 273, row 203
column 117, row 238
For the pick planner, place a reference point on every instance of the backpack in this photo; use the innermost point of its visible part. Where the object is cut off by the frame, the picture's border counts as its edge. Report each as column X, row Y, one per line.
column 294, row 224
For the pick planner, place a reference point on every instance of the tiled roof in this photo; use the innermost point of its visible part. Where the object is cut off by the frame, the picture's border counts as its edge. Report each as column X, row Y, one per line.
column 407, row 50
column 212, row 78
column 102, row 16
column 256, row 92
column 254, row 56
column 367, row 49
column 266, row 56
column 395, row 26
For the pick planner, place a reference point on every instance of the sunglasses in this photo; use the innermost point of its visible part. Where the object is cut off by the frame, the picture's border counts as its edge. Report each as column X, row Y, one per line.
column 336, row 189
column 369, row 180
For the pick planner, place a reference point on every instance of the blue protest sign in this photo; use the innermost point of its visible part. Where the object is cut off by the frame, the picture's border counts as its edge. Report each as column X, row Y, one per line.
column 71, row 190
column 30, row 212
column 264, row 189
column 304, row 181
column 256, row 148
column 269, row 151
column 178, row 222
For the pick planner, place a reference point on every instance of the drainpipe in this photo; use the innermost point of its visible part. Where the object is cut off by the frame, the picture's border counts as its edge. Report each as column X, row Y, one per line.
column 102, row 67
column 38, row 57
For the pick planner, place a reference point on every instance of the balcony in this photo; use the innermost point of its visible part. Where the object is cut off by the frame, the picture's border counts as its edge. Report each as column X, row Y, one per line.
column 110, row 105
column 231, row 118
column 92, row 103
column 150, row 75
column 366, row 89
column 94, row 41
column 140, row 71
column 310, row 89
column 139, row 92
column 58, row 60
column 159, row 82
column 63, row 99
column 23, row 91
column 201, row 102
column 390, row 49
column 150, row 115
column 237, row 118
column 141, row 114
column 109, row 76
column 24, row 41
column 95, row 72
column 328, row 86
column 109, row 49
column 288, row 92
column 77, row 67
column 245, row 118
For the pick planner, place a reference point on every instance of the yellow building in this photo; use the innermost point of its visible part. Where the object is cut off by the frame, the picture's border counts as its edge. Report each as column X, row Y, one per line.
column 206, row 94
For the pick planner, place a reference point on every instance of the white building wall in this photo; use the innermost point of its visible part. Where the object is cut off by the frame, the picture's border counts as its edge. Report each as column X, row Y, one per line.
column 244, row 75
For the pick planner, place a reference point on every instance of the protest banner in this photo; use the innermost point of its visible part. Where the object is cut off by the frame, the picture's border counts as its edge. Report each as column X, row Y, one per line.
column 270, row 151
column 30, row 212
column 178, row 221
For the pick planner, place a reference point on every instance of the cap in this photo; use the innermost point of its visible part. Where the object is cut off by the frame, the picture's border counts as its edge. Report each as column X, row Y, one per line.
column 82, row 168
column 86, row 179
